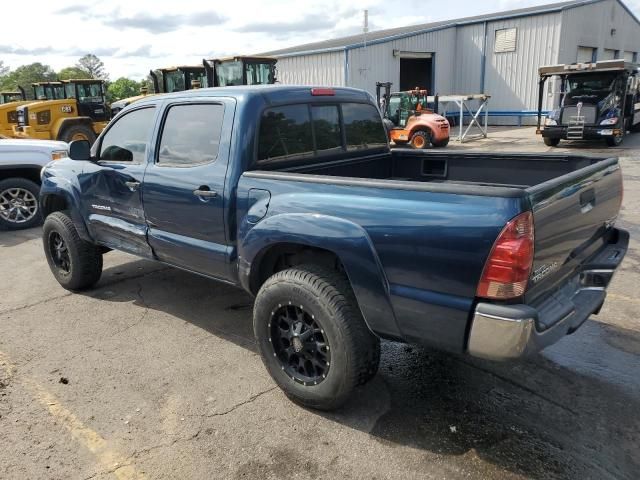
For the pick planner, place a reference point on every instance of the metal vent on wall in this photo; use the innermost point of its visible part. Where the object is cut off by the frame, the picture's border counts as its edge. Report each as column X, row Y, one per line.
column 505, row 40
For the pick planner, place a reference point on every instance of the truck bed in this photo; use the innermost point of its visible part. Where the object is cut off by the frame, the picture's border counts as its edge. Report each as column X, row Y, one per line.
column 469, row 169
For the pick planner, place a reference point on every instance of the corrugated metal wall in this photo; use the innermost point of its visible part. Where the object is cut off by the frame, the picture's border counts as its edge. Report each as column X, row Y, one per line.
column 591, row 26
column 468, row 59
column 376, row 63
column 315, row 69
column 512, row 78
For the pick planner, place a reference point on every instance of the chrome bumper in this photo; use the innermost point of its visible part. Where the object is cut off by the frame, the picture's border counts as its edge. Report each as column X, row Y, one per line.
column 504, row 332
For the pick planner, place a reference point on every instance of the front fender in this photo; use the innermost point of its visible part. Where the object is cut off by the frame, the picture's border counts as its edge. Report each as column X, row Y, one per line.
column 69, row 190
column 347, row 240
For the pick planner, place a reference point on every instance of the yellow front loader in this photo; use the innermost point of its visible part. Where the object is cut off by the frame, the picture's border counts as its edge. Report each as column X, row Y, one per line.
column 81, row 115
column 12, row 100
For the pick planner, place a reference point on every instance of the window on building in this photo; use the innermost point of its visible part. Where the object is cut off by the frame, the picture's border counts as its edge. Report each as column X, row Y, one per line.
column 587, row 54
column 505, row 40
column 191, row 135
column 608, row 54
column 630, row 56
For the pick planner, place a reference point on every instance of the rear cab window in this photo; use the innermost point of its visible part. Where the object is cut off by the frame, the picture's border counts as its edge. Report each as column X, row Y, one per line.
column 304, row 133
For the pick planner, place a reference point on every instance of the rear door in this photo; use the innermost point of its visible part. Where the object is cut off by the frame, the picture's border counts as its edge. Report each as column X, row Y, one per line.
column 571, row 215
column 184, row 187
column 111, row 186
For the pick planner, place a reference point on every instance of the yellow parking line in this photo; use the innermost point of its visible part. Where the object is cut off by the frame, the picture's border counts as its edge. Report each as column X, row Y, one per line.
column 109, row 459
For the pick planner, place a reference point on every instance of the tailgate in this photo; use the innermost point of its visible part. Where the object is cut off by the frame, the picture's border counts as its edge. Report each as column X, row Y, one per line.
column 571, row 215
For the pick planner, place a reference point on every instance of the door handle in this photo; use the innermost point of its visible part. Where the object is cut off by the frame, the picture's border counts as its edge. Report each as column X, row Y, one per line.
column 133, row 186
column 204, row 193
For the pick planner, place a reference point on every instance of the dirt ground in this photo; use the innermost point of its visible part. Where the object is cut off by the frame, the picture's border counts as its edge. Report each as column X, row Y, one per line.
column 154, row 374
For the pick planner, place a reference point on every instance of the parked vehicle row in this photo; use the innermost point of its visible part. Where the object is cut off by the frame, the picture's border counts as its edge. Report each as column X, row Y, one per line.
column 293, row 194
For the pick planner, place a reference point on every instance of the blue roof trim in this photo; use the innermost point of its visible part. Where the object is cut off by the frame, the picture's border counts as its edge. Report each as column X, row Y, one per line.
column 497, row 17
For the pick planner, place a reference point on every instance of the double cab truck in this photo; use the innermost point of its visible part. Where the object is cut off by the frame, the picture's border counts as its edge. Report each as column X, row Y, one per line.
column 599, row 100
column 293, row 194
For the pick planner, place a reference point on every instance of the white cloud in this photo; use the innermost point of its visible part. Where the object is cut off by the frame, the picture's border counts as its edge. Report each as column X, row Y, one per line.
column 134, row 37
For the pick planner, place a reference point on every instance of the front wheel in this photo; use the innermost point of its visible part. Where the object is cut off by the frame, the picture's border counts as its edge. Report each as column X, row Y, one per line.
column 75, row 263
column 551, row 142
column 78, row 132
column 420, row 139
column 614, row 141
column 312, row 337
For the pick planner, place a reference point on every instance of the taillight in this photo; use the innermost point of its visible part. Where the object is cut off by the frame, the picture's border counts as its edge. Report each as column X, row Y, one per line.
column 506, row 271
column 323, row 92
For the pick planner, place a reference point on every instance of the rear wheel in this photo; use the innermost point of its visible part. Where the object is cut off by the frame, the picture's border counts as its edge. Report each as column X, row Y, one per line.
column 420, row 139
column 19, row 204
column 312, row 337
column 75, row 263
column 441, row 143
column 614, row 140
column 551, row 142
column 78, row 132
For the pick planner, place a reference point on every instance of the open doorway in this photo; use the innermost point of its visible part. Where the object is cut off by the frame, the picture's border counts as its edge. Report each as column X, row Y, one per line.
column 416, row 72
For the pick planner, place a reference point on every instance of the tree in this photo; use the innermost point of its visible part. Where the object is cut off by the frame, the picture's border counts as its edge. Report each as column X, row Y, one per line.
column 72, row 73
column 3, row 69
column 93, row 66
column 123, row 88
column 25, row 75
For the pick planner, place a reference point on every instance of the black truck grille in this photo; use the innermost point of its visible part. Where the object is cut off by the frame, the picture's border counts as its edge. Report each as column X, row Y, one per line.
column 587, row 111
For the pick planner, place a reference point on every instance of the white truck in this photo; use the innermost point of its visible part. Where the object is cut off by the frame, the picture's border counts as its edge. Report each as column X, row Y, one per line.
column 20, row 164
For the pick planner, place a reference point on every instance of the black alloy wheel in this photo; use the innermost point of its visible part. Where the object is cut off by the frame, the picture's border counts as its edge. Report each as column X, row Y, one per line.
column 300, row 344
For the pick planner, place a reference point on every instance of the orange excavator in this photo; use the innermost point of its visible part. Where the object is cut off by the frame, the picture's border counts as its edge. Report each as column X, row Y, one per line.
column 408, row 119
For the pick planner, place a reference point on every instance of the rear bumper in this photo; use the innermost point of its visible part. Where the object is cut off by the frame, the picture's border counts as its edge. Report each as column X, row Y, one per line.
column 503, row 332
column 590, row 132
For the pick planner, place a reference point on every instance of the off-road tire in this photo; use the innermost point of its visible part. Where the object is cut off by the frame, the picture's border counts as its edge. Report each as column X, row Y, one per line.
column 441, row 144
column 85, row 259
column 420, row 139
column 551, row 142
column 327, row 294
column 22, row 184
column 79, row 131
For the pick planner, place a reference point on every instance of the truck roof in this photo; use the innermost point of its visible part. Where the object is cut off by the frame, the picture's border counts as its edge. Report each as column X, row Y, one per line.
column 269, row 93
column 602, row 66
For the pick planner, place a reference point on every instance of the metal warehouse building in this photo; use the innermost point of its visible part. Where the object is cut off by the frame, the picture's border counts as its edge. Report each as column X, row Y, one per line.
column 496, row 54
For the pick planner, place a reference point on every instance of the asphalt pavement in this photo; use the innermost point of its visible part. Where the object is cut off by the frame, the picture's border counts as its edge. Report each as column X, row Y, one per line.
column 155, row 374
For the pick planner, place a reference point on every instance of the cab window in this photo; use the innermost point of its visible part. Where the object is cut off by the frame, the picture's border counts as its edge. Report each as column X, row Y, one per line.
column 127, row 139
column 191, row 135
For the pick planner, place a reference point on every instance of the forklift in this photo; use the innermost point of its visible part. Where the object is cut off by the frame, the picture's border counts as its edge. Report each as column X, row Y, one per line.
column 80, row 115
column 599, row 100
column 408, row 120
column 240, row 70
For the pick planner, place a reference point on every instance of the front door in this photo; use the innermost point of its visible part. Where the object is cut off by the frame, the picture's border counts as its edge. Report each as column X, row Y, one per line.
column 111, row 187
column 183, row 190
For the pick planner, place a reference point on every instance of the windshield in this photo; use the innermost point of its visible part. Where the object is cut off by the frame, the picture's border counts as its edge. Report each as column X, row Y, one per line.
column 90, row 93
column 258, row 73
column 591, row 84
column 174, row 81
column 229, row 73
column 70, row 90
column 398, row 109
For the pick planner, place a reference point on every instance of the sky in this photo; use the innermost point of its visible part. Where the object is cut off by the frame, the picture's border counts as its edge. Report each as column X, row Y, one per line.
column 132, row 37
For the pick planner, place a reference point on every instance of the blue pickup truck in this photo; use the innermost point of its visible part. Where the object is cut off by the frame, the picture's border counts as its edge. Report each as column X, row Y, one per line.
column 293, row 194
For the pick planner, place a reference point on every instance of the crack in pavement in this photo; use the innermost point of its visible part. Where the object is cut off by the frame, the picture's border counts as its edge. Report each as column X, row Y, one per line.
column 238, row 405
column 96, row 289
column 142, row 317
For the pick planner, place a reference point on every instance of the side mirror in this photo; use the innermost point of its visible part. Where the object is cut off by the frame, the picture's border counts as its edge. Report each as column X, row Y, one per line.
column 80, row 150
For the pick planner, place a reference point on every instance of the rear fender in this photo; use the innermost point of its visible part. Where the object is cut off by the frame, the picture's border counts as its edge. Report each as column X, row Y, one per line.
column 347, row 240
